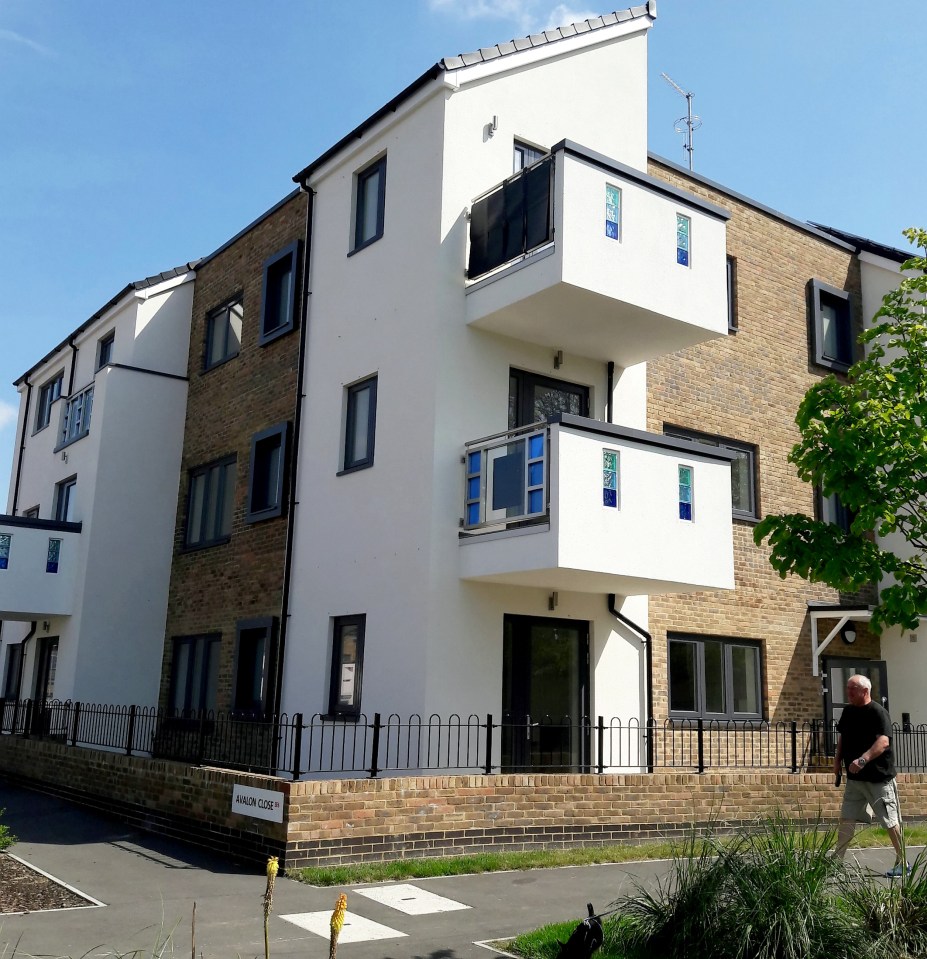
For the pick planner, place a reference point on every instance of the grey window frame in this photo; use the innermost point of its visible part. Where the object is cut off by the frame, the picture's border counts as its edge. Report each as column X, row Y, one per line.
column 348, row 464
column 728, row 643
column 335, row 709
column 105, row 349
column 81, row 404
column 286, row 310
column 49, row 394
column 818, row 294
column 726, row 443
column 64, row 493
column 267, row 626
column 843, row 515
column 274, row 437
column 211, row 643
column 376, row 168
column 222, row 314
column 210, row 512
column 524, row 154
column 733, row 322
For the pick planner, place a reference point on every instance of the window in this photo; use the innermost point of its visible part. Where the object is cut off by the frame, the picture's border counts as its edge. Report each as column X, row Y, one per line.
column 254, row 666
column 76, row 420
column 45, row 669
column 831, row 327
column 830, row 509
column 743, row 468
column 534, row 398
column 64, row 500
column 32, row 513
column 686, row 493
column 369, row 204
column 683, row 238
column 105, row 350
column 731, row 295
column 525, row 155
column 612, row 212
column 714, row 678
column 210, row 502
column 13, row 678
column 194, row 673
column 278, row 300
column 266, row 480
column 50, row 392
column 6, row 541
column 611, row 478
column 223, row 333
column 360, row 424
column 53, row 556
column 347, row 665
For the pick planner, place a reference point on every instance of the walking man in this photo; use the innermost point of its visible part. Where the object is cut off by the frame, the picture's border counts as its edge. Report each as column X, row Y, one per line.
column 865, row 747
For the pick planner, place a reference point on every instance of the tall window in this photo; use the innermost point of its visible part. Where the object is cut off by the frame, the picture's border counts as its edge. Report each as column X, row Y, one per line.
column 831, row 326
column 6, row 541
column 370, row 204
column 254, row 666
column 524, row 155
column 714, row 678
column 223, row 333
column 732, row 295
column 11, row 681
column 194, row 673
column 686, row 493
column 278, row 300
column 105, row 349
column 360, row 424
column 76, row 420
column 266, row 479
column 65, row 496
column 45, row 668
column 50, row 392
column 210, row 503
column 683, row 239
column 830, row 509
column 743, row 468
column 347, row 665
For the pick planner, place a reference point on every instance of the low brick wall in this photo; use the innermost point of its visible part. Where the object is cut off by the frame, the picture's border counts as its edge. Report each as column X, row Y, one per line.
column 333, row 821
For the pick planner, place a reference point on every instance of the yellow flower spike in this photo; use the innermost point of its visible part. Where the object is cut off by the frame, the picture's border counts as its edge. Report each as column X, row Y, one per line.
column 337, row 922
column 273, row 865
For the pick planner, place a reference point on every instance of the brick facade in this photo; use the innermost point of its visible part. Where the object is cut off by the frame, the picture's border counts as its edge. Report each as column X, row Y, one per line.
column 214, row 588
column 330, row 822
column 747, row 387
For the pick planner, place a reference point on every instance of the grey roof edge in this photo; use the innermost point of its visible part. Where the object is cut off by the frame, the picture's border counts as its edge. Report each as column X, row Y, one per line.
column 136, row 285
column 256, row 222
column 865, row 245
column 499, row 50
column 714, row 185
column 644, row 179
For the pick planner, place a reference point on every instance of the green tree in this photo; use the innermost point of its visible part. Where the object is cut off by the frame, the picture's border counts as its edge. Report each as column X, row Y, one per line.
column 865, row 438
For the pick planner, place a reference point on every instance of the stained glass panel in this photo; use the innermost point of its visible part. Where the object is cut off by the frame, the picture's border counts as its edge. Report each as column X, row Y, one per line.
column 5, row 540
column 54, row 552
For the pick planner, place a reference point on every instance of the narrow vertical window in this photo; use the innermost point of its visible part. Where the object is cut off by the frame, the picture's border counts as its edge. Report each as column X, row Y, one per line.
column 64, row 500
column 50, row 392
column 54, row 554
column 266, row 479
column 347, row 665
column 683, row 239
column 686, row 502
column 370, row 204
column 254, row 667
column 360, row 424
column 731, row 295
column 278, row 299
column 223, row 333
column 105, row 350
column 612, row 212
column 610, row 478
column 5, row 541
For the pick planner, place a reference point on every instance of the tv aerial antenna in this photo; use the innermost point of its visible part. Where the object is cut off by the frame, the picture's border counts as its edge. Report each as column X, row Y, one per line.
column 689, row 123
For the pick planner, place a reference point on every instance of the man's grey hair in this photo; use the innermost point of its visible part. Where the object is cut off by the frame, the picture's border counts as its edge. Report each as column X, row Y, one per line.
column 863, row 681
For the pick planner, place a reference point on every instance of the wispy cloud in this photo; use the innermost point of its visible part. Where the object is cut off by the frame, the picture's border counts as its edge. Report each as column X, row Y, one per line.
column 7, row 414
column 12, row 36
column 528, row 15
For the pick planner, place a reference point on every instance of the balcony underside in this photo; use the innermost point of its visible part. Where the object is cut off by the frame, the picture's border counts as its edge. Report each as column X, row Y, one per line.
column 564, row 316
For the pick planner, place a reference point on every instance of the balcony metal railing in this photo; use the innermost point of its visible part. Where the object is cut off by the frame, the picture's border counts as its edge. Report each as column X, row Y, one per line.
column 507, row 477
column 512, row 219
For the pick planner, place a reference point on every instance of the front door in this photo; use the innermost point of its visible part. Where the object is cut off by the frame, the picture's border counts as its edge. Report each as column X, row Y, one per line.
column 532, row 398
column 545, row 695
column 45, row 668
column 838, row 669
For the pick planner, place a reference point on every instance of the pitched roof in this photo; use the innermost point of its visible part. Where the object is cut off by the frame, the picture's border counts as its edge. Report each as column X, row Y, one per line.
column 136, row 285
column 485, row 54
column 864, row 245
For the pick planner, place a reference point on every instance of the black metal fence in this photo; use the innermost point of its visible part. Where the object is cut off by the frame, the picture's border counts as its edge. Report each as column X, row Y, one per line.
column 376, row 746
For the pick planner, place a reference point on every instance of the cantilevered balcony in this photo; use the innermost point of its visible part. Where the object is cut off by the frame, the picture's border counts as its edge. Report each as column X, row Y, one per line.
column 38, row 567
column 584, row 254
column 576, row 504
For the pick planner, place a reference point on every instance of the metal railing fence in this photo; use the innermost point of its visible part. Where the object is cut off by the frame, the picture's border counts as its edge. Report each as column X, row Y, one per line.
column 392, row 745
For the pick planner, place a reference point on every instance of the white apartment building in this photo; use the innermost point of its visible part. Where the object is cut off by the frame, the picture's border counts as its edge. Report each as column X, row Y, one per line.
column 85, row 544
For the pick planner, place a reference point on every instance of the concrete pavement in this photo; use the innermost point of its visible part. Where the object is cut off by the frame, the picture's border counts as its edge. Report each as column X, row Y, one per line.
column 148, row 885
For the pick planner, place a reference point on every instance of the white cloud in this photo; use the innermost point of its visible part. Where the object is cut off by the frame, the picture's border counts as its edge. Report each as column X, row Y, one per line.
column 527, row 15
column 8, row 414
column 14, row 37
column 561, row 15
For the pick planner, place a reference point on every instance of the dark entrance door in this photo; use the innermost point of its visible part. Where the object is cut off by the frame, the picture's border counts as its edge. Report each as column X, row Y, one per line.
column 45, row 668
column 545, row 694
column 838, row 669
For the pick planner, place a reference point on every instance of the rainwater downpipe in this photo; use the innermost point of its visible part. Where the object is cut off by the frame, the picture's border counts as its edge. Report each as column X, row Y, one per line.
column 647, row 641
column 22, row 659
column 610, row 393
column 22, row 449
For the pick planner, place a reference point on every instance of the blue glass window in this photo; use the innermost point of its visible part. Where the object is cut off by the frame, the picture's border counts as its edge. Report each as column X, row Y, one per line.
column 612, row 212
column 535, row 501
column 5, row 540
column 536, row 446
column 683, row 230
column 610, row 478
column 686, row 501
column 54, row 552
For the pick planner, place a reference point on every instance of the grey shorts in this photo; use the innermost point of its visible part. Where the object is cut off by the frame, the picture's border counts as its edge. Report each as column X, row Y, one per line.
column 863, row 800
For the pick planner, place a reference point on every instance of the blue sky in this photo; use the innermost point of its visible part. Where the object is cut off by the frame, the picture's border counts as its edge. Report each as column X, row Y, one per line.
column 137, row 136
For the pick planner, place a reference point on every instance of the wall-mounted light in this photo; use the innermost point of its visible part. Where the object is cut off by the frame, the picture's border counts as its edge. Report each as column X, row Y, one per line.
column 552, row 601
column 493, row 126
column 558, row 359
column 849, row 634
column 46, row 626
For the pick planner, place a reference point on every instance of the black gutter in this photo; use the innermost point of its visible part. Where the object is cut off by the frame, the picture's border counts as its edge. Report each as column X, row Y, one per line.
column 22, row 447
column 294, row 462
column 647, row 641
column 73, row 366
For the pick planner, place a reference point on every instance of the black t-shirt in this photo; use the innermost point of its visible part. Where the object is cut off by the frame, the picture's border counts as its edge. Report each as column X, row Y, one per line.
column 860, row 727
